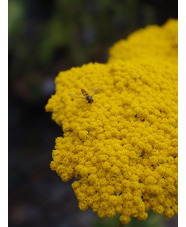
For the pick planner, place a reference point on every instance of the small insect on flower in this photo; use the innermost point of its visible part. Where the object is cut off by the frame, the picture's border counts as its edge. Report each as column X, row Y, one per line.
column 86, row 95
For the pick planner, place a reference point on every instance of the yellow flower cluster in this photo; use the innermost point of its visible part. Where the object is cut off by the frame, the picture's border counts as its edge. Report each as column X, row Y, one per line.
column 154, row 41
column 122, row 148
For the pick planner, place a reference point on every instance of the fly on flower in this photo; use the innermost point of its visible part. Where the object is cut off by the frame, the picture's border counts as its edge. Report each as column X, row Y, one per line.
column 86, row 95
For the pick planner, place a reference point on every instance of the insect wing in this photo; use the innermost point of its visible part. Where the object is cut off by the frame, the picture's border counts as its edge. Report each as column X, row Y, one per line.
column 75, row 96
column 93, row 91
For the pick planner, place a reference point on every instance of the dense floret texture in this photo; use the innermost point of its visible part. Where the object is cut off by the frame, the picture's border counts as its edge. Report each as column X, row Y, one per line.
column 155, row 41
column 122, row 148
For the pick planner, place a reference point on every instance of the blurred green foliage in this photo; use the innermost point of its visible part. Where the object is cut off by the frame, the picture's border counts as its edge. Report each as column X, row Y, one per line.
column 152, row 221
column 16, row 14
column 41, row 32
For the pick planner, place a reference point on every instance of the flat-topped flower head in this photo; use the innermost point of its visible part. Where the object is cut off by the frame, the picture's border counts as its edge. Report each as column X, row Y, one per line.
column 121, row 148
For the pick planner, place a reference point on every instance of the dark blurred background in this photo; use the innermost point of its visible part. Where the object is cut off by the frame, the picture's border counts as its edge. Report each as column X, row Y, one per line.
column 46, row 37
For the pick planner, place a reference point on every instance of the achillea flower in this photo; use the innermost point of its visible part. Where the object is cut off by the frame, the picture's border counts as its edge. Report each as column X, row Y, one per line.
column 154, row 41
column 122, row 148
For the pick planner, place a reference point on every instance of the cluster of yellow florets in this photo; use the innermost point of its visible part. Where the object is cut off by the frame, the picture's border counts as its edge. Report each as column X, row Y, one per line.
column 122, row 148
column 153, row 41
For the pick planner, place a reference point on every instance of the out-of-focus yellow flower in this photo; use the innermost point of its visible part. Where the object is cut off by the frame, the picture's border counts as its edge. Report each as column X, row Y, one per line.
column 152, row 41
column 122, row 148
